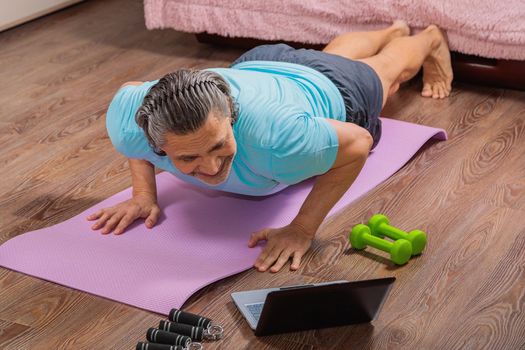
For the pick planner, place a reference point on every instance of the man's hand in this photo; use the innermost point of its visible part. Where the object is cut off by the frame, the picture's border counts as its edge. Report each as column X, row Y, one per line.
column 142, row 205
column 123, row 214
column 291, row 241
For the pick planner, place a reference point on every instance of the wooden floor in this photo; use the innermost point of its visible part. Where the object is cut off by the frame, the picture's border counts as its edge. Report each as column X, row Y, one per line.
column 467, row 291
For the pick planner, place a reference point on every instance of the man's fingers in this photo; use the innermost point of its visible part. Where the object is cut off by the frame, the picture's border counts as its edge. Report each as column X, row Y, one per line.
column 270, row 259
column 256, row 237
column 264, row 254
column 283, row 258
column 95, row 216
column 296, row 261
column 152, row 218
column 124, row 222
column 112, row 221
column 101, row 221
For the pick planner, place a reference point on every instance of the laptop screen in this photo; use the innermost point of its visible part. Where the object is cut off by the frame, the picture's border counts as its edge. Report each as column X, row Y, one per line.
column 322, row 306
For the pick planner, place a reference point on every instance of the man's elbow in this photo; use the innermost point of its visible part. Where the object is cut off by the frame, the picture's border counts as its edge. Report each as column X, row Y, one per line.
column 359, row 147
column 355, row 144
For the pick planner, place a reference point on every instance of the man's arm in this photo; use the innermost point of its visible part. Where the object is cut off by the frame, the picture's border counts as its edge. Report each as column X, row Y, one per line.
column 143, row 179
column 294, row 240
column 142, row 171
column 355, row 143
column 142, row 204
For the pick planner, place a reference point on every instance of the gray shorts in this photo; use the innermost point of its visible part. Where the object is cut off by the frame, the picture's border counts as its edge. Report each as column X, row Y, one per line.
column 358, row 83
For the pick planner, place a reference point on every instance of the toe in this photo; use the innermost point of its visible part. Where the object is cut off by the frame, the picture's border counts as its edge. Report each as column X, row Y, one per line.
column 441, row 91
column 435, row 92
column 448, row 89
column 427, row 90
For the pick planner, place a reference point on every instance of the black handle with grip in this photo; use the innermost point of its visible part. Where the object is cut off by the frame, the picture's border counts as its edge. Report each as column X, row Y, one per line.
column 157, row 336
column 195, row 333
column 154, row 346
column 189, row 318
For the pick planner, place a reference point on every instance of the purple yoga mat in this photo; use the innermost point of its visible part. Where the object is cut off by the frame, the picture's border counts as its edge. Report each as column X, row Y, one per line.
column 201, row 237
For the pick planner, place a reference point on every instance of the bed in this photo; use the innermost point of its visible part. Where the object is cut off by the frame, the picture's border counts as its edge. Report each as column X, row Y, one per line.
column 487, row 39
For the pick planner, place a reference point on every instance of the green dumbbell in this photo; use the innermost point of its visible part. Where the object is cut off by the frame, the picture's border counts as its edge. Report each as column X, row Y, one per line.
column 400, row 250
column 379, row 225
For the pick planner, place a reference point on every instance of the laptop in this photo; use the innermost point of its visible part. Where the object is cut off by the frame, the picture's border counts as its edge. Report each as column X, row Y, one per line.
column 312, row 306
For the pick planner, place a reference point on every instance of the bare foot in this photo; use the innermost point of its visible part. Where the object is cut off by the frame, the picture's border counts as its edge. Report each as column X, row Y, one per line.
column 399, row 28
column 437, row 69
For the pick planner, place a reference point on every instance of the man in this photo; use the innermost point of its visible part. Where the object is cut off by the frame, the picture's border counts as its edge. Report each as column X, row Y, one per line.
column 276, row 117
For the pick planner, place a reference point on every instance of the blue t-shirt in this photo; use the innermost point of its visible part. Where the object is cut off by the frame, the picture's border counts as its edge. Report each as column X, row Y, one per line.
column 282, row 133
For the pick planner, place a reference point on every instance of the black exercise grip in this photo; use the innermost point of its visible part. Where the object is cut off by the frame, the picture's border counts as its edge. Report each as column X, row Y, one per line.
column 189, row 318
column 195, row 333
column 157, row 336
column 153, row 346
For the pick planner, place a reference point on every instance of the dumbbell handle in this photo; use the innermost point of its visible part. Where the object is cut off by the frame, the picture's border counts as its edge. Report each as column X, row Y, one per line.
column 392, row 232
column 378, row 243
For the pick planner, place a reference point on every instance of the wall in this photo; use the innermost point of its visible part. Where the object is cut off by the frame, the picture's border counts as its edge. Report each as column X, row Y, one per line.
column 13, row 13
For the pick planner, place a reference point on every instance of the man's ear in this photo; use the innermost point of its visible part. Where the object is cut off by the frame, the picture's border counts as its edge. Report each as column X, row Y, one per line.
column 158, row 151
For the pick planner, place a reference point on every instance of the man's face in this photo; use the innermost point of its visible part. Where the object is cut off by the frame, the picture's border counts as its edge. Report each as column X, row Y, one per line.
column 206, row 153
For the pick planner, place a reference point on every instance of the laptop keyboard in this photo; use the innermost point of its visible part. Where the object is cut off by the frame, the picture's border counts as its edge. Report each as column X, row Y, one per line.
column 255, row 310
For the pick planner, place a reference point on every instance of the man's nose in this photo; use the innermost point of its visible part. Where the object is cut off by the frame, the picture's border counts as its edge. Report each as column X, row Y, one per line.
column 210, row 166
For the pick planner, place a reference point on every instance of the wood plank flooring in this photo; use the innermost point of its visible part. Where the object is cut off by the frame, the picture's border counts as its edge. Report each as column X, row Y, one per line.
column 467, row 291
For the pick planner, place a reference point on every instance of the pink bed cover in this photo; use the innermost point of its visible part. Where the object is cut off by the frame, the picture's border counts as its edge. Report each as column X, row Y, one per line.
column 480, row 27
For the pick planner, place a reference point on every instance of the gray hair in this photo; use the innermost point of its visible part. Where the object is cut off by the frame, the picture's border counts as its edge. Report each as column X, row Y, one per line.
column 180, row 103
